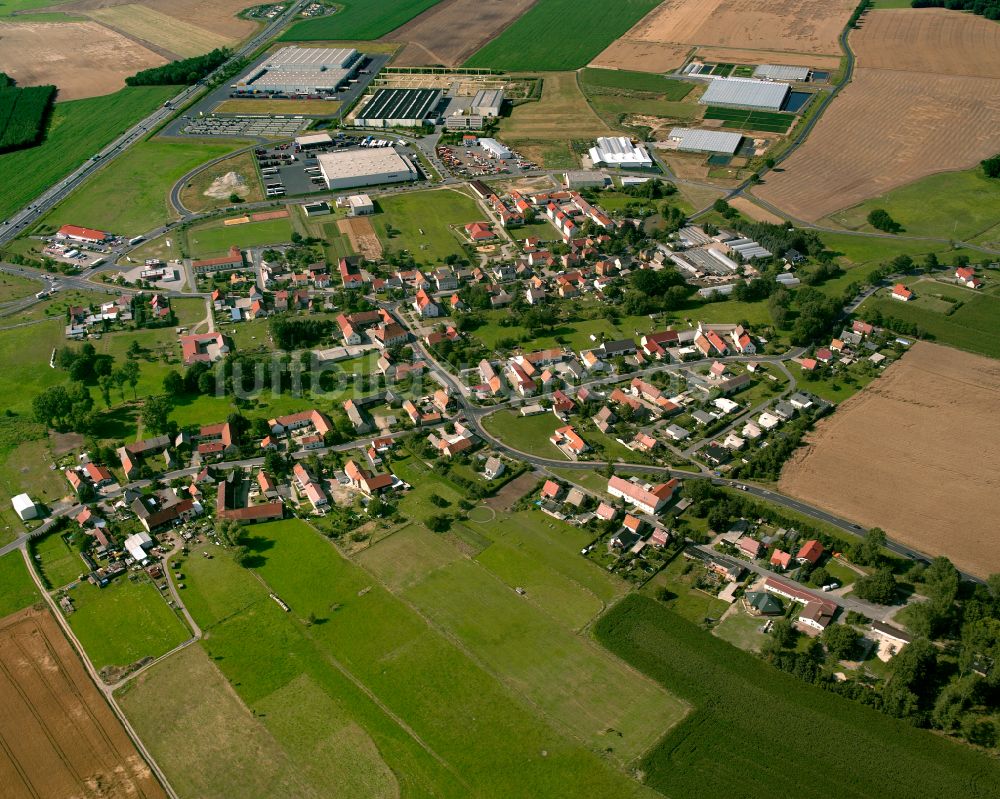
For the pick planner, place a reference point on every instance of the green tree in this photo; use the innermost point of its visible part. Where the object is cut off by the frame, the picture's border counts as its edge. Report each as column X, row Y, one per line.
column 841, row 640
column 173, row 383
column 879, row 587
column 868, row 552
column 879, row 219
column 156, row 413
column 105, row 382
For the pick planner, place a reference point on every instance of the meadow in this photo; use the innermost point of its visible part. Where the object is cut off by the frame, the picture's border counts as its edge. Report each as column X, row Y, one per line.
column 130, row 196
column 15, row 287
column 58, row 563
column 77, row 130
column 358, row 19
column 559, row 35
column 420, row 223
column 526, row 433
column 124, row 622
column 216, row 238
column 17, row 589
column 853, row 751
column 623, row 79
column 243, row 164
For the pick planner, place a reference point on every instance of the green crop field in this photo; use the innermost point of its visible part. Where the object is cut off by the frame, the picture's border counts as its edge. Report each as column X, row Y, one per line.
column 17, row 589
column 560, row 35
column 124, row 622
column 361, row 670
column 430, row 212
column 216, row 238
column 58, row 563
column 635, row 81
column 77, row 130
column 358, row 19
column 743, row 119
column 751, row 722
column 130, row 196
column 10, row 8
column 950, row 205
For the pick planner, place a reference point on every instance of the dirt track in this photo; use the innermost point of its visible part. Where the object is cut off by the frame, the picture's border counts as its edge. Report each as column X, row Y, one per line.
column 893, row 124
column 916, row 453
column 59, row 737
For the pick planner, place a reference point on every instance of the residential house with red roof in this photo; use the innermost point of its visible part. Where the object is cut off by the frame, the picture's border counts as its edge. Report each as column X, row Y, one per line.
column 810, row 552
column 651, row 500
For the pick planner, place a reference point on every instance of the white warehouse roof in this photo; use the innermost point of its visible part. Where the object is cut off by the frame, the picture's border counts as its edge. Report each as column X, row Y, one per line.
column 24, row 506
column 781, row 72
column 706, row 141
column 365, row 167
column 745, row 93
column 619, row 151
column 315, row 57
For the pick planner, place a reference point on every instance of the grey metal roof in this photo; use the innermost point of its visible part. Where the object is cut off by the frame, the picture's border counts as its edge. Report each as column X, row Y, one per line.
column 781, row 72
column 706, row 141
column 745, row 93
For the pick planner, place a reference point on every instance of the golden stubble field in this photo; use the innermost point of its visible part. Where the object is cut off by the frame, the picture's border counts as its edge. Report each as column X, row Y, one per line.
column 916, row 453
column 925, row 98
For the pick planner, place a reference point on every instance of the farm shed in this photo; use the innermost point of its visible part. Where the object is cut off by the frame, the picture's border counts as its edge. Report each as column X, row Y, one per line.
column 745, row 93
column 696, row 140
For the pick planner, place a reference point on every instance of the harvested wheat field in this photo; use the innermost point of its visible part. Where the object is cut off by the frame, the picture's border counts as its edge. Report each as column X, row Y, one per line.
column 754, row 211
column 800, row 26
column 362, row 236
column 916, row 453
column 59, row 736
column 83, row 59
column 561, row 113
column 161, row 30
column 450, row 31
column 639, row 56
column 217, row 16
column 830, row 63
column 892, row 126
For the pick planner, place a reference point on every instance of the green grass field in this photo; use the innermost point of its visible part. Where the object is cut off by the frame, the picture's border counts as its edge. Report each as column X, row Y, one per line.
column 355, row 655
column 17, row 589
column 559, row 34
column 951, row 205
column 636, row 82
column 358, row 19
column 610, row 106
column 216, row 238
column 130, row 196
column 743, row 119
column 15, row 287
column 58, row 563
column 740, row 699
column 124, row 622
column 77, row 130
column 526, row 433
column 430, row 212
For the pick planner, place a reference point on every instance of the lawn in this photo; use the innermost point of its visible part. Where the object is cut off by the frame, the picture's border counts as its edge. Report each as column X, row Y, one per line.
column 526, row 433
column 216, row 238
column 350, row 635
column 130, row 196
column 636, row 82
column 17, row 589
column 742, row 630
column 950, row 205
column 834, row 387
column 15, row 287
column 420, row 223
column 685, row 600
column 125, row 622
column 358, row 19
column 576, row 334
column 58, row 563
column 559, row 34
column 78, row 129
column 740, row 698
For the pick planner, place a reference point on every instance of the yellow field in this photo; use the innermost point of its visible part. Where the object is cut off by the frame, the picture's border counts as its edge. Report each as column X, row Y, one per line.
column 162, row 30
column 308, row 107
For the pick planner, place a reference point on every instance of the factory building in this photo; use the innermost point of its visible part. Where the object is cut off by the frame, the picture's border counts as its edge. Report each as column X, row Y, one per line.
column 781, row 72
column 496, row 149
column 618, row 151
column 301, row 70
column 488, row 102
column 312, row 140
column 695, row 140
column 764, row 95
column 400, row 108
column 343, row 170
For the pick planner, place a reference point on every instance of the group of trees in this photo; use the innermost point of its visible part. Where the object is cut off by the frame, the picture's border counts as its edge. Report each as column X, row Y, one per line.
column 651, row 291
column 879, row 219
column 181, row 73
column 296, row 333
column 984, row 8
column 991, row 167
column 24, row 113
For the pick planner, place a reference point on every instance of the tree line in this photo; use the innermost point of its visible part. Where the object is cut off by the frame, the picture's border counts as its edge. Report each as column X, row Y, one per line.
column 983, row 8
column 181, row 73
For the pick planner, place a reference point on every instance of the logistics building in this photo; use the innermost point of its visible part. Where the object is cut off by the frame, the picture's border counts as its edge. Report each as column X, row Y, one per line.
column 343, row 170
column 619, row 151
column 400, row 108
column 496, row 149
column 301, row 70
column 696, row 140
column 746, row 93
column 488, row 102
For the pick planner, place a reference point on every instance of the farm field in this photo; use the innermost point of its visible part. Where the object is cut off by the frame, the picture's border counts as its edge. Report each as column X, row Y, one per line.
column 83, row 59
column 962, row 205
column 168, row 32
column 77, row 130
column 893, row 446
column 892, row 125
column 17, row 589
column 559, row 35
column 739, row 697
column 397, row 693
column 213, row 187
column 430, row 212
column 129, row 197
column 785, row 25
column 124, row 622
column 655, row 57
column 634, row 82
column 216, row 238
column 430, row 37
column 741, row 119
column 60, row 736
column 358, row 19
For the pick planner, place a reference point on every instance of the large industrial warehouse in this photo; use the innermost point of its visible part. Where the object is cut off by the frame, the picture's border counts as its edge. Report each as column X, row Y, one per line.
column 400, row 108
column 696, row 140
column 618, row 151
column 781, row 72
column 344, row 170
column 301, row 70
column 764, row 95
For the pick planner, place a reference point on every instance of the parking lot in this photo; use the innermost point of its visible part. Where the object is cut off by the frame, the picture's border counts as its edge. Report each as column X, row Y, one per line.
column 263, row 127
column 472, row 161
column 288, row 171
